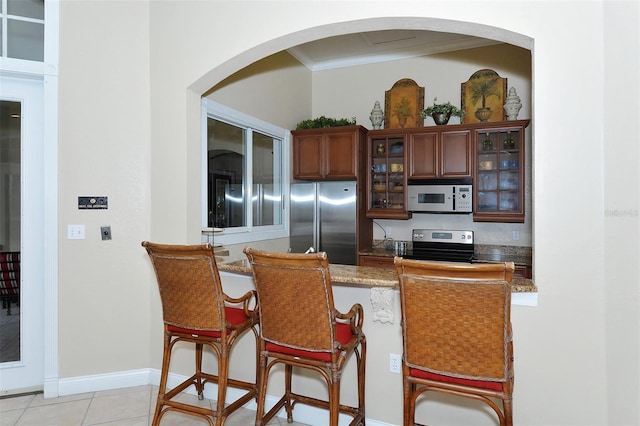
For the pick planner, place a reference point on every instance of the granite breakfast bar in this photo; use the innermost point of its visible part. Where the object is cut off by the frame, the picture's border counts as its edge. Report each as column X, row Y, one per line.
column 362, row 276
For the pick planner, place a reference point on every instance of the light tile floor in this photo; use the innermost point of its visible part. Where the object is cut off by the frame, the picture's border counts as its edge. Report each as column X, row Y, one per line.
column 127, row 407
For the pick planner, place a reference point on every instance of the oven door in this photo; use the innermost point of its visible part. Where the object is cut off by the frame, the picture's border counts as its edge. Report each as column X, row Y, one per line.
column 444, row 253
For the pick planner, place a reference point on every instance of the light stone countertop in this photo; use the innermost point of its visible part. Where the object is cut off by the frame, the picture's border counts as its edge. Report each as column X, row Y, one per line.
column 360, row 276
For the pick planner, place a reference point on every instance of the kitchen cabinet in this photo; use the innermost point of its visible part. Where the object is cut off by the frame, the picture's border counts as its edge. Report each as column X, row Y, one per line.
column 523, row 271
column 440, row 153
column 330, row 153
column 492, row 155
column 376, row 261
column 386, row 176
column 498, row 191
column 398, row 155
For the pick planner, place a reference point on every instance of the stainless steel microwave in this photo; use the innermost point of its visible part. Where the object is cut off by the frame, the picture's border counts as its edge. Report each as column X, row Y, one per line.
column 442, row 198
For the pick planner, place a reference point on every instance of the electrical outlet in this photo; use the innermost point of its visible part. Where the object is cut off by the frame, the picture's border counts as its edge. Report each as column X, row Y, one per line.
column 387, row 230
column 516, row 235
column 395, row 363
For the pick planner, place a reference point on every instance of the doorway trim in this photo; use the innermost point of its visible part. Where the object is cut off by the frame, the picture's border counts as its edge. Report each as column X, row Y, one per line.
column 50, row 164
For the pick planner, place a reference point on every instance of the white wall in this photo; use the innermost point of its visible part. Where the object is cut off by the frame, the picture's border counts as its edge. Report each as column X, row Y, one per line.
column 621, row 225
column 575, row 352
column 276, row 89
column 104, row 150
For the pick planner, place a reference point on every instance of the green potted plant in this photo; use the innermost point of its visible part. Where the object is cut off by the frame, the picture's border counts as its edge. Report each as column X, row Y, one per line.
column 323, row 122
column 441, row 113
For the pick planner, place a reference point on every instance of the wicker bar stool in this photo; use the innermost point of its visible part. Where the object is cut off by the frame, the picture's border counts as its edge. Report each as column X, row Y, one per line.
column 300, row 327
column 456, row 330
column 196, row 310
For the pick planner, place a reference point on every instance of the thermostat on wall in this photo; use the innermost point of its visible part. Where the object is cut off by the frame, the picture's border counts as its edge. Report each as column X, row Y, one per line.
column 92, row 203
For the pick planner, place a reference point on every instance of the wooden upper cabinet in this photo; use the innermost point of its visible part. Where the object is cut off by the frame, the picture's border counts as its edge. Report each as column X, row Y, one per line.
column 423, row 161
column 455, row 160
column 439, row 154
column 307, row 156
column 499, row 172
column 387, row 175
column 341, row 155
column 332, row 153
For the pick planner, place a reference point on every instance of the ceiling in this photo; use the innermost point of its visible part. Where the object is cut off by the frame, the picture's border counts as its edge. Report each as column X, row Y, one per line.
column 379, row 46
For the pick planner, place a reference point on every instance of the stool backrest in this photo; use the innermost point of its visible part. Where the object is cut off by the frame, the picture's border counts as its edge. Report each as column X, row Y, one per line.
column 295, row 299
column 189, row 284
column 457, row 322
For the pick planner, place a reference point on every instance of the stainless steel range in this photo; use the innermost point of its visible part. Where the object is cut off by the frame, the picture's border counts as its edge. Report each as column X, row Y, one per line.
column 442, row 244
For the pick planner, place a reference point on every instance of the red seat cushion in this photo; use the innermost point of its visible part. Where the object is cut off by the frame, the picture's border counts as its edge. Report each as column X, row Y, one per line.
column 343, row 334
column 484, row 384
column 235, row 316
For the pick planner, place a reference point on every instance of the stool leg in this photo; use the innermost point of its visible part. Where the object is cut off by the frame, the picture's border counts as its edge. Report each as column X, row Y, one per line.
column 508, row 412
column 262, row 374
column 334, row 398
column 199, row 385
column 166, row 359
column 288, row 369
column 409, row 403
column 223, row 376
column 362, row 363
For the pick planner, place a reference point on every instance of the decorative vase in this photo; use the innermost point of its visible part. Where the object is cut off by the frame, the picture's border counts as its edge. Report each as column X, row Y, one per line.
column 483, row 114
column 508, row 143
column 377, row 116
column 440, row 118
column 487, row 143
column 512, row 105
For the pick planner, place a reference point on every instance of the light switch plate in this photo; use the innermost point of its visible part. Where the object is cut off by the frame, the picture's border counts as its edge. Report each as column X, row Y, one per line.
column 75, row 232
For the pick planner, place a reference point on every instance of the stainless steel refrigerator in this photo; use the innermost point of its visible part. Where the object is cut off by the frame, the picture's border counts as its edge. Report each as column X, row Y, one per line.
column 323, row 217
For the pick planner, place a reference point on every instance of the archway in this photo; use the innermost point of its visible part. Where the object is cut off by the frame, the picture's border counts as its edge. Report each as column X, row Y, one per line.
column 246, row 60
column 216, row 75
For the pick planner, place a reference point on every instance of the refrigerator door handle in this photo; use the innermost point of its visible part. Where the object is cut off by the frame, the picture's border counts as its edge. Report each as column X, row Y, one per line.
column 317, row 242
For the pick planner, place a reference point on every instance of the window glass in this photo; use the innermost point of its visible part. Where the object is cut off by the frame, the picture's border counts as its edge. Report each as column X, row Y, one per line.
column 226, row 170
column 244, row 176
column 27, row 8
column 10, row 220
column 22, row 29
column 25, row 40
column 10, row 154
column 266, row 196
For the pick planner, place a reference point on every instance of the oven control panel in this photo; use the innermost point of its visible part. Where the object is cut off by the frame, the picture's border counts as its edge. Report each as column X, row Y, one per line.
column 443, row 236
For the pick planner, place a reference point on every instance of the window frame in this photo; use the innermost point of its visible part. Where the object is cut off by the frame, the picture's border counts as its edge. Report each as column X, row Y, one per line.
column 250, row 124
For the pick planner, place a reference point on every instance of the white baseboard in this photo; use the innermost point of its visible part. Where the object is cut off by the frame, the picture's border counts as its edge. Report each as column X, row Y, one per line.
column 126, row 379
column 101, row 382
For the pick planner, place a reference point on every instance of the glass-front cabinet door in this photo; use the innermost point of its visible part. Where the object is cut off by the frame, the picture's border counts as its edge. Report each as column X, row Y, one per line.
column 386, row 196
column 499, row 174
